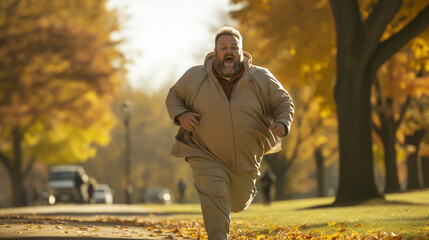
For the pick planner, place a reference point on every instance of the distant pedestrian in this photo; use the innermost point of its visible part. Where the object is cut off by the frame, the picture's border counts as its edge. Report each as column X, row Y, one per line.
column 78, row 182
column 91, row 187
column 182, row 188
column 267, row 182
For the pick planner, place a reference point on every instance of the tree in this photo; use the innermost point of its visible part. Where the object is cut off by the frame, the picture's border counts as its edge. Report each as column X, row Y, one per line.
column 57, row 76
column 398, row 84
column 361, row 49
column 418, row 121
column 414, row 169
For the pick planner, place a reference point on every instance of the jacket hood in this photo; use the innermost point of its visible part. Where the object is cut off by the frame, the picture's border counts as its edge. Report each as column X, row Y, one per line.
column 209, row 59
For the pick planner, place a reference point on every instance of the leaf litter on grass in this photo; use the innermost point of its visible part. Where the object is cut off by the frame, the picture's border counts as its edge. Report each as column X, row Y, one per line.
column 240, row 230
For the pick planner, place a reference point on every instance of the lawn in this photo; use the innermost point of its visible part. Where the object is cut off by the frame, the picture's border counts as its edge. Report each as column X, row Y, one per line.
column 405, row 217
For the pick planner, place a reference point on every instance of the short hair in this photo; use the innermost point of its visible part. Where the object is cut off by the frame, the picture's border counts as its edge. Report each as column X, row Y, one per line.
column 229, row 31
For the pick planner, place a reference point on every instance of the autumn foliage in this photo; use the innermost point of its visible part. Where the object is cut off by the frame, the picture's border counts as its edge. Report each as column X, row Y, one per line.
column 296, row 40
column 58, row 71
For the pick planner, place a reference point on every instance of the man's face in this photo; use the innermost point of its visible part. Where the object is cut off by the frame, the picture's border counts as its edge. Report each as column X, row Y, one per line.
column 228, row 56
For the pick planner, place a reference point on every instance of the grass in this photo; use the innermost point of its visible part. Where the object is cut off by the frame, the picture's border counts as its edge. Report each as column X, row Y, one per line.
column 407, row 215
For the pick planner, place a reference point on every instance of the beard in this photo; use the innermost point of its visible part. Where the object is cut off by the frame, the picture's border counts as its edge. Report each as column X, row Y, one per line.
column 230, row 70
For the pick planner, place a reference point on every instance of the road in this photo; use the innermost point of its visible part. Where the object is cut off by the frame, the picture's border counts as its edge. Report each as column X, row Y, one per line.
column 97, row 222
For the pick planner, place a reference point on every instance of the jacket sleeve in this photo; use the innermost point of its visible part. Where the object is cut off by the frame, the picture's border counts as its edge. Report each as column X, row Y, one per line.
column 176, row 96
column 282, row 106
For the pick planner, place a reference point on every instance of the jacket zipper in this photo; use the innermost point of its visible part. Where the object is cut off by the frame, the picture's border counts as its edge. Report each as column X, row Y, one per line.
column 233, row 137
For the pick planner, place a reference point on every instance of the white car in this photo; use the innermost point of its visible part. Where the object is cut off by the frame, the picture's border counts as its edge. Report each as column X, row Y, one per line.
column 156, row 195
column 62, row 182
column 103, row 194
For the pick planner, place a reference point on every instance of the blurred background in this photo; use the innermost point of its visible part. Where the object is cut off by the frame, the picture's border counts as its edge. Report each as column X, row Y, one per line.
column 83, row 83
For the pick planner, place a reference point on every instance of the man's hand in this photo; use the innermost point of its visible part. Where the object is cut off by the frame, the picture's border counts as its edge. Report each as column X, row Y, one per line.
column 279, row 129
column 188, row 120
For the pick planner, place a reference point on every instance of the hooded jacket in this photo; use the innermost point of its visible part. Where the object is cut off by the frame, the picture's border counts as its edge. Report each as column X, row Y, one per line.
column 231, row 131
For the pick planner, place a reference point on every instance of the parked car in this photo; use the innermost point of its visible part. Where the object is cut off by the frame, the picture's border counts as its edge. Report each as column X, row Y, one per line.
column 103, row 194
column 68, row 183
column 156, row 195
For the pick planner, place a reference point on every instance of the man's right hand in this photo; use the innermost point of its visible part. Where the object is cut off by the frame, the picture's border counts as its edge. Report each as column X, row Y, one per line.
column 188, row 120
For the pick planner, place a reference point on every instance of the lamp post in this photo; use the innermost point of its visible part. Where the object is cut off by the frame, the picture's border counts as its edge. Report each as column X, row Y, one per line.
column 126, row 108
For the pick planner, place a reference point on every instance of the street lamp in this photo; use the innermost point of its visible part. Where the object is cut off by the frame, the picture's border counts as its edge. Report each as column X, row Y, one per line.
column 127, row 108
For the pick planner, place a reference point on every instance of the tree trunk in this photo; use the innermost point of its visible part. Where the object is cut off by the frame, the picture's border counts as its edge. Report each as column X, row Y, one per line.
column 356, row 180
column 17, row 175
column 414, row 170
column 280, row 167
column 360, row 53
column 415, row 178
column 318, row 156
column 19, row 194
column 425, row 170
column 390, row 164
column 280, row 184
column 387, row 133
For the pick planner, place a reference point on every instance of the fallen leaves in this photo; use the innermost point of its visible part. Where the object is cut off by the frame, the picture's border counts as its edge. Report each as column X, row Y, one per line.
column 338, row 231
column 173, row 228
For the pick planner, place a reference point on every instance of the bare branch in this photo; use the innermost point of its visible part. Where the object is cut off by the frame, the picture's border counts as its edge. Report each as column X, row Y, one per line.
column 392, row 45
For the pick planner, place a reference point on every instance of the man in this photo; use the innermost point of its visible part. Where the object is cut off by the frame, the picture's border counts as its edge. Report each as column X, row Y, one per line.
column 229, row 112
column 267, row 182
column 182, row 187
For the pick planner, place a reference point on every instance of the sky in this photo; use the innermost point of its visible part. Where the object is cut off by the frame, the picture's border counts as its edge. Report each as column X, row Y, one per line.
column 166, row 37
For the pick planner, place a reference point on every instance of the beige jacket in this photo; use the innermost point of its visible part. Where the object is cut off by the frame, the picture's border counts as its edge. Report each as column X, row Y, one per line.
column 234, row 132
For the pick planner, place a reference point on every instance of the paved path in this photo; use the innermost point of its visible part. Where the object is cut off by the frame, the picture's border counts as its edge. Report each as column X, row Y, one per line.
column 80, row 210
column 97, row 222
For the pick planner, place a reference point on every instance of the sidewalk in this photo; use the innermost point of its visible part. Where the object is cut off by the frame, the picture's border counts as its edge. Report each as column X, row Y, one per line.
column 84, row 222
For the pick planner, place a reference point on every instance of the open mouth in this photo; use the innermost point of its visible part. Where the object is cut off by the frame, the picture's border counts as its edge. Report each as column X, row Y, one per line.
column 229, row 59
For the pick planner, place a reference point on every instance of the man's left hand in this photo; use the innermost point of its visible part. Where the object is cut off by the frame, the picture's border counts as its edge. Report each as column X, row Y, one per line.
column 278, row 129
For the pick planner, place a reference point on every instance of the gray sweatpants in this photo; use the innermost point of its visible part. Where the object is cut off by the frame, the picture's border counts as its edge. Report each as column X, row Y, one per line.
column 221, row 192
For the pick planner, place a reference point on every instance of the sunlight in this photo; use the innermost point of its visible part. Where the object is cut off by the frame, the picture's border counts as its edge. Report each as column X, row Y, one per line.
column 165, row 38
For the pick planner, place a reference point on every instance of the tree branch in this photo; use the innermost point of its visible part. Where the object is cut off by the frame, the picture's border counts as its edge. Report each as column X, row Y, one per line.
column 376, row 129
column 386, row 49
column 380, row 17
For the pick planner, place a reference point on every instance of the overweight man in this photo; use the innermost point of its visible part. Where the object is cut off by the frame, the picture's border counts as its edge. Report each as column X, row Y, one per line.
column 231, row 113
